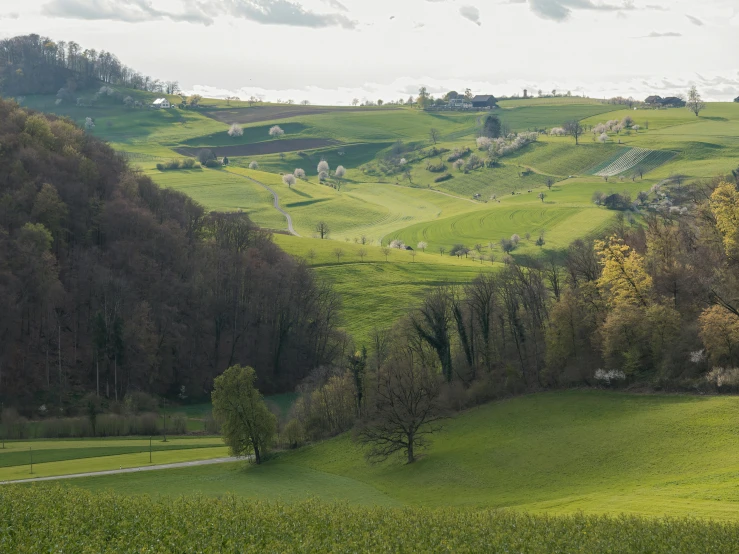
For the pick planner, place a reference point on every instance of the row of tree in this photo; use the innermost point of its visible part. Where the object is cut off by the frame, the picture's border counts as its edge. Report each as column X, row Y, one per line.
column 110, row 284
column 32, row 64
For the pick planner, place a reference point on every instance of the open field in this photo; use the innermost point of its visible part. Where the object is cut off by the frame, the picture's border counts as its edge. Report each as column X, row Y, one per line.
column 258, row 113
column 64, row 457
column 560, row 453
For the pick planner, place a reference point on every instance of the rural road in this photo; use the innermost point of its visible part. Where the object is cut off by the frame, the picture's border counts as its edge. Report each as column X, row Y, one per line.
column 127, row 470
column 276, row 204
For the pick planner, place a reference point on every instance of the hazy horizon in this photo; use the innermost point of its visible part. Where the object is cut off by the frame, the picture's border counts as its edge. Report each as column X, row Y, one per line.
column 331, row 51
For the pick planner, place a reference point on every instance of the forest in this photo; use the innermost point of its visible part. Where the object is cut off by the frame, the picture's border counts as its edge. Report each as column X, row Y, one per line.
column 110, row 284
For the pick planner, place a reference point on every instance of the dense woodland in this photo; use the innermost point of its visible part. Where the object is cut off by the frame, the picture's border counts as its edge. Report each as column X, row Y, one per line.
column 110, row 284
column 33, row 64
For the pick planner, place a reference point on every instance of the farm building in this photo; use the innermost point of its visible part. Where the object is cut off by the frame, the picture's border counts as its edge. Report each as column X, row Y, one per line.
column 667, row 102
column 653, row 100
column 161, row 103
column 483, row 101
column 460, row 103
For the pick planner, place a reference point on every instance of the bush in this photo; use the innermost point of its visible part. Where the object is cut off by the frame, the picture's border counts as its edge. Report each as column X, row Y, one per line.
column 188, row 163
column 213, row 163
column 473, row 162
column 160, row 166
column 444, row 177
column 436, row 168
column 205, row 155
column 458, row 154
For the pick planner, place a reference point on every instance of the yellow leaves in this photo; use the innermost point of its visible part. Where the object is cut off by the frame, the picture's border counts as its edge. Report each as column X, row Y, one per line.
column 624, row 280
column 719, row 331
column 724, row 204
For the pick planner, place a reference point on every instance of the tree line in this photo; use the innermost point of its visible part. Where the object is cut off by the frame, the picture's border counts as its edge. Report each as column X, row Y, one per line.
column 33, row 64
column 110, row 284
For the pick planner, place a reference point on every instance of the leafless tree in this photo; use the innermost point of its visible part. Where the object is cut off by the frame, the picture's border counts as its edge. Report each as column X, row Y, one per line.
column 386, row 251
column 305, row 103
column 434, row 135
column 361, row 253
column 322, row 229
column 311, row 255
column 404, row 409
column 432, row 321
column 413, row 255
column 574, row 128
column 338, row 252
column 695, row 103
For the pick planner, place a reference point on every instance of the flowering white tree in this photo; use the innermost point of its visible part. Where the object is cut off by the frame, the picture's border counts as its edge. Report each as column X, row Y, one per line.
column 323, row 166
column 340, row 172
column 483, row 143
column 89, row 123
column 515, row 239
column 322, row 176
column 557, row 132
column 603, row 137
column 128, row 102
column 299, row 173
column 636, row 128
column 235, row 130
column 289, row 179
column 397, row 243
column 599, row 129
column 422, row 246
column 253, row 165
column 276, row 131
column 611, row 123
column 403, row 161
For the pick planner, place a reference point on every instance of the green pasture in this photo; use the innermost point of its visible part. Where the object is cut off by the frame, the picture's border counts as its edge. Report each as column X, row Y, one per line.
column 63, row 457
column 561, row 453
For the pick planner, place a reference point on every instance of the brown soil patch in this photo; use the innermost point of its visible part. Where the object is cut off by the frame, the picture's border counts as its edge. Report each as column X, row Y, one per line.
column 261, row 148
column 269, row 113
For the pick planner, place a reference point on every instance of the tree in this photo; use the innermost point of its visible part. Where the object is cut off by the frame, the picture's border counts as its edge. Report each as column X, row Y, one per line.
column 338, row 252
column 468, row 94
column 355, row 101
column 413, row 254
column 432, row 323
column 451, row 95
column 253, row 165
column 422, row 246
column 322, row 229
column 442, row 250
column 323, row 167
column 276, row 131
column 194, row 100
column 423, row 97
column 235, row 130
column 361, row 253
column 404, row 408
column 695, row 103
column 339, row 175
column 206, row 155
column 299, row 173
column 542, row 196
column 492, row 127
column 719, row 331
column 246, row 422
column 305, row 103
column 550, row 182
column 386, row 251
column 624, row 279
column 573, row 128
column 289, row 180
column 434, row 135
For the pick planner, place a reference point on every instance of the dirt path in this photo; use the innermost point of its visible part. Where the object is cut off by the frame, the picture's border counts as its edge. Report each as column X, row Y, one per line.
column 127, row 470
column 276, row 203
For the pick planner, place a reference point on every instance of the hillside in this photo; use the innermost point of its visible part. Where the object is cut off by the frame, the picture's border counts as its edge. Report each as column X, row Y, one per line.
column 560, row 453
column 111, row 284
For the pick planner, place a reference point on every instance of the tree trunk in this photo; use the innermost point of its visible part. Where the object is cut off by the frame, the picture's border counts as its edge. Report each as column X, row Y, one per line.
column 257, row 456
column 411, row 457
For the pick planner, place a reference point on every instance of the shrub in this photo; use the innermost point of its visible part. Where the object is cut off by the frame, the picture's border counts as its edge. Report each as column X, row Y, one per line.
column 458, row 154
column 188, row 163
column 473, row 162
column 206, row 155
column 213, row 163
column 442, row 178
column 160, row 166
column 436, row 168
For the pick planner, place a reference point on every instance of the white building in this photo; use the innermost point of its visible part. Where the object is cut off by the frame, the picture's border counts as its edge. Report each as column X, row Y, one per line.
column 161, row 103
column 460, row 103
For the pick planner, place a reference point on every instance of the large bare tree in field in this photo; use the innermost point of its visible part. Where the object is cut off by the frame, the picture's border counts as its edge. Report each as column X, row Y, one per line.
column 322, row 229
column 695, row 103
column 404, row 408
column 574, row 128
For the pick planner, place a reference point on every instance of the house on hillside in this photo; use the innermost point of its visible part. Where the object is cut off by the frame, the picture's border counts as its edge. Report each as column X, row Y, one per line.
column 673, row 102
column 653, row 100
column 161, row 103
column 483, row 101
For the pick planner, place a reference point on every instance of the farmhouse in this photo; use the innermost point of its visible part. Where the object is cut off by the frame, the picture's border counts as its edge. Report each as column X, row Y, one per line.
column 460, row 104
column 161, row 103
column 483, row 101
column 653, row 100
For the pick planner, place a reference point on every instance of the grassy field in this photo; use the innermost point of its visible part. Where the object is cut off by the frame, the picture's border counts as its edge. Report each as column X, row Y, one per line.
column 560, row 453
column 64, row 457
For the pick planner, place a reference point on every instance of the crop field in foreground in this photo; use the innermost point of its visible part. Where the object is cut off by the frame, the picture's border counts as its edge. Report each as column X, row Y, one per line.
column 43, row 519
column 561, row 453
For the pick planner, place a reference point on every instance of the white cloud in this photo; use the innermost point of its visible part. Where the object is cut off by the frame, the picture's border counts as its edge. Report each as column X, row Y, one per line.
column 694, row 20
column 129, row 11
column 471, row 13
column 655, row 34
column 560, row 10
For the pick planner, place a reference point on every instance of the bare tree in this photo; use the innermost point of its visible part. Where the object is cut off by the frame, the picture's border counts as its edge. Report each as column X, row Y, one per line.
column 276, row 131
column 574, row 128
column 386, row 251
column 338, row 252
column 322, row 229
column 311, row 255
column 305, row 103
column 434, row 135
column 361, row 253
column 695, row 103
column 550, row 182
column 541, row 197
column 404, row 409
column 413, row 255
column 431, row 322
column 442, row 250
column 355, row 102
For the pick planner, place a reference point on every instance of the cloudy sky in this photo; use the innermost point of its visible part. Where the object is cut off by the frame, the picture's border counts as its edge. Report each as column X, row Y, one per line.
column 330, row 51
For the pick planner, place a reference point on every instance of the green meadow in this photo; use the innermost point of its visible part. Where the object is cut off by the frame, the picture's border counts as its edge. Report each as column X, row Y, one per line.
column 594, row 452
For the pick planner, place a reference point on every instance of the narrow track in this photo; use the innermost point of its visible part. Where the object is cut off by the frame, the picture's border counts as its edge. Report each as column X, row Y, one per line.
column 276, row 203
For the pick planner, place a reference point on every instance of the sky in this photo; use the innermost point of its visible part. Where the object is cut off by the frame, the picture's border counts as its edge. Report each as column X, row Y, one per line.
column 331, row 51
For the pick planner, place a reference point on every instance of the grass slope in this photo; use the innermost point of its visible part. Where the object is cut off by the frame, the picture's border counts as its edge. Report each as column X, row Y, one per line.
column 565, row 452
